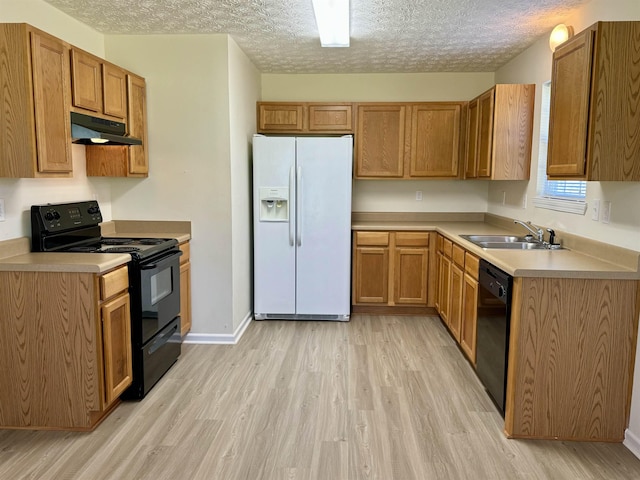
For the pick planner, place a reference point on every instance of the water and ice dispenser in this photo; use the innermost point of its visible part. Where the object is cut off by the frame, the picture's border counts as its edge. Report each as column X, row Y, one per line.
column 274, row 204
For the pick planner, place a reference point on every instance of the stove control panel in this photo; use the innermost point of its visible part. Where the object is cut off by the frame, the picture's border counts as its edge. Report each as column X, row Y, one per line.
column 59, row 217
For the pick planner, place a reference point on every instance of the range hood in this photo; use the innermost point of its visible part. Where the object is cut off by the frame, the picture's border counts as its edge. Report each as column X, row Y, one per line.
column 89, row 130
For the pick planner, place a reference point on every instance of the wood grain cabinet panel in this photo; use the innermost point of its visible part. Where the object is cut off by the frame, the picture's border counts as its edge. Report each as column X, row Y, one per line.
column 410, row 269
column 35, row 132
column 469, row 324
column 371, row 284
column 330, row 118
column 185, row 289
column 116, row 338
column 380, row 140
column 86, row 81
column 114, row 91
column 594, row 117
column 280, row 117
column 499, row 133
column 435, row 139
column 305, row 117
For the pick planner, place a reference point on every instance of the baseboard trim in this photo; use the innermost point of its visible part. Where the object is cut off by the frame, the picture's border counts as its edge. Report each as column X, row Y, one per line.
column 632, row 442
column 220, row 338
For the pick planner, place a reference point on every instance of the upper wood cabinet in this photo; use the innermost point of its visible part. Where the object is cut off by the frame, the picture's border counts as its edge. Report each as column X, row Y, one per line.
column 35, row 137
column 408, row 140
column 98, row 87
column 499, row 133
column 305, row 117
column 125, row 161
column 594, row 114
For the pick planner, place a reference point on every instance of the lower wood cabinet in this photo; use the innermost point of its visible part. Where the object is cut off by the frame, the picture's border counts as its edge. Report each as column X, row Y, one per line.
column 391, row 268
column 68, row 334
column 469, row 321
column 185, row 289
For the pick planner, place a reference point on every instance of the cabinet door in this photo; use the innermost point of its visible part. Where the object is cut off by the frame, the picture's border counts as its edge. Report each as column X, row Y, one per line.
column 471, row 158
column 380, row 140
column 486, row 103
column 116, row 338
column 114, row 91
column 443, row 287
column 185, row 289
column 469, row 317
column 331, row 118
column 285, row 117
column 86, row 81
column 50, row 63
column 410, row 275
column 569, row 111
column 455, row 305
column 137, row 124
column 371, row 274
column 435, row 139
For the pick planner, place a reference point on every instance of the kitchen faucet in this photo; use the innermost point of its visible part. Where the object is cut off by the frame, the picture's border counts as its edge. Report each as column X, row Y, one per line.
column 536, row 231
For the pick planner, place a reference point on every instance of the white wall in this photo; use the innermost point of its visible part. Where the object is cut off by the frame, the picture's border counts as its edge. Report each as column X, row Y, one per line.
column 189, row 149
column 20, row 194
column 534, row 66
column 244, row 92
column 393, row 195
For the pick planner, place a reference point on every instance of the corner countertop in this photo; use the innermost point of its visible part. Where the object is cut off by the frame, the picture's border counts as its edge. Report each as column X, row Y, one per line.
column 584, row 259
column 15, row 254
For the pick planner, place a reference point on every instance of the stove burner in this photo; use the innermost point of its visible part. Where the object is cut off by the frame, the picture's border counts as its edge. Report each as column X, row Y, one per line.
column 120, row 250
column 116, row 241
column 151, row 241
column 83, row 249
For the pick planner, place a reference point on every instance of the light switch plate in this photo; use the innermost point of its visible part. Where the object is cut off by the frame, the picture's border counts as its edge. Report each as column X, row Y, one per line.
column 595, row 210
column 606, row 212
column 418, row 195
column 2, row 215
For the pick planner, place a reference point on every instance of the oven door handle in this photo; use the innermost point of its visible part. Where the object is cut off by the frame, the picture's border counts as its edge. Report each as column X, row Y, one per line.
column 161, row 260
column 161, row 341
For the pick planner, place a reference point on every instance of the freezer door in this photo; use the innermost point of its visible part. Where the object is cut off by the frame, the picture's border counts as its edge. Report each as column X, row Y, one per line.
column 274, row 252
column 323, row 236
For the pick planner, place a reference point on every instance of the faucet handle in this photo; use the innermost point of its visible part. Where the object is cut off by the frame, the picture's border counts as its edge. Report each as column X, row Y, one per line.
column 552, row 236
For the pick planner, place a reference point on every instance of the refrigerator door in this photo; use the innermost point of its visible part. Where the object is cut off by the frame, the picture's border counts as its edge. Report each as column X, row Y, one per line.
column 273, row 235
column 323, row 234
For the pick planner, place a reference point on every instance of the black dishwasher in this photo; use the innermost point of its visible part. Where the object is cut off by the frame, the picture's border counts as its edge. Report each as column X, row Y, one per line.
column 494, row 317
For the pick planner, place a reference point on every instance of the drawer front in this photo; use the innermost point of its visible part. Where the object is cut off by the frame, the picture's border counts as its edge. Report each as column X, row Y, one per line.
column 447, row 247
column 472, row 265
column 412, row 239
column 372, row 238
column 458, row 255
column 186, row 252
column 114, row 282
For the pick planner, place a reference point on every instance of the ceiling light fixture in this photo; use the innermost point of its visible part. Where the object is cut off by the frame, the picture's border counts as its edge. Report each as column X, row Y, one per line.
column 332, row 18
column 560, row 34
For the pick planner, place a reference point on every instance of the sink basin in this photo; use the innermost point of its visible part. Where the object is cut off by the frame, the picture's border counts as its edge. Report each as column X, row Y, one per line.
column 513, row 245
column 493, row 238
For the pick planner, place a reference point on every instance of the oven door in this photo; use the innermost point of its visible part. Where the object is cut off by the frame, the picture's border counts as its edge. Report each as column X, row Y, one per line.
column 160, row 292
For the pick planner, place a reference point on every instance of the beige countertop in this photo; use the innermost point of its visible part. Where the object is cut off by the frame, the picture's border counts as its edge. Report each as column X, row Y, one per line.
column 611, row 262
column 15, row 254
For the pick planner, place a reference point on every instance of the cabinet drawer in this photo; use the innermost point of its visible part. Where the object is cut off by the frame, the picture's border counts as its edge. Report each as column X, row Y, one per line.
column 447, row 247
column 186, row 252
column 412, row 239
column 458, row 255
column 372, row 238
column 471, row 265
column 114, row 282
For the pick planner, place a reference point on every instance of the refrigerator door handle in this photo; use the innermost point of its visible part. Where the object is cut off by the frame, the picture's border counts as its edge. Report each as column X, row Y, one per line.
column 299, row 207
column 291, row 183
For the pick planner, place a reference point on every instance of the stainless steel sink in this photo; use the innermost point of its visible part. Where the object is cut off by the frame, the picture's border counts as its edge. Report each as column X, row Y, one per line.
column 493, row 238
column 509, row 242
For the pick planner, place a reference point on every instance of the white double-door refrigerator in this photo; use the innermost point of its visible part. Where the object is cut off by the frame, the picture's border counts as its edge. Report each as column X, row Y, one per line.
column 302, row 227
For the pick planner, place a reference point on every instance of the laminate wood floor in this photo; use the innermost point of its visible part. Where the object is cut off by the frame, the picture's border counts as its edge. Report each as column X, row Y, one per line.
column 380, row 397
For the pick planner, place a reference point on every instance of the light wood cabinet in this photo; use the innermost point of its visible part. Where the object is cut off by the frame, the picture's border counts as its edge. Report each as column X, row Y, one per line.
column 125, row 161
column 594, row 117
column 99, row 88
column 391, row 268
column 469, row 322
column 305, row 117
column 35, row 132
column 408, row 140
column 70, row 334
column 185, row 289
column 499, row 133
column 456, row 282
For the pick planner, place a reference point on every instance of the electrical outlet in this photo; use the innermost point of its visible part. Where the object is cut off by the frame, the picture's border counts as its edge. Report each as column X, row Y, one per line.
column 595, row 210
column 606, row 212
column 504, row 197
column 418, row 195
column 2, row 215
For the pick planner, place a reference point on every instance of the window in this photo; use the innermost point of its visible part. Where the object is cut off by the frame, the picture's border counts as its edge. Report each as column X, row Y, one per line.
column 560, row 195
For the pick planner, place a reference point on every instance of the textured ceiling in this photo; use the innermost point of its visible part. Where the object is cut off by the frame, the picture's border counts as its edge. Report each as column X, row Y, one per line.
column 280, row 36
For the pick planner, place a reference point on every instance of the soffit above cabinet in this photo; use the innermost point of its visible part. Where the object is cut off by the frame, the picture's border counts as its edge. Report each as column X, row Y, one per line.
column 386, row 35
